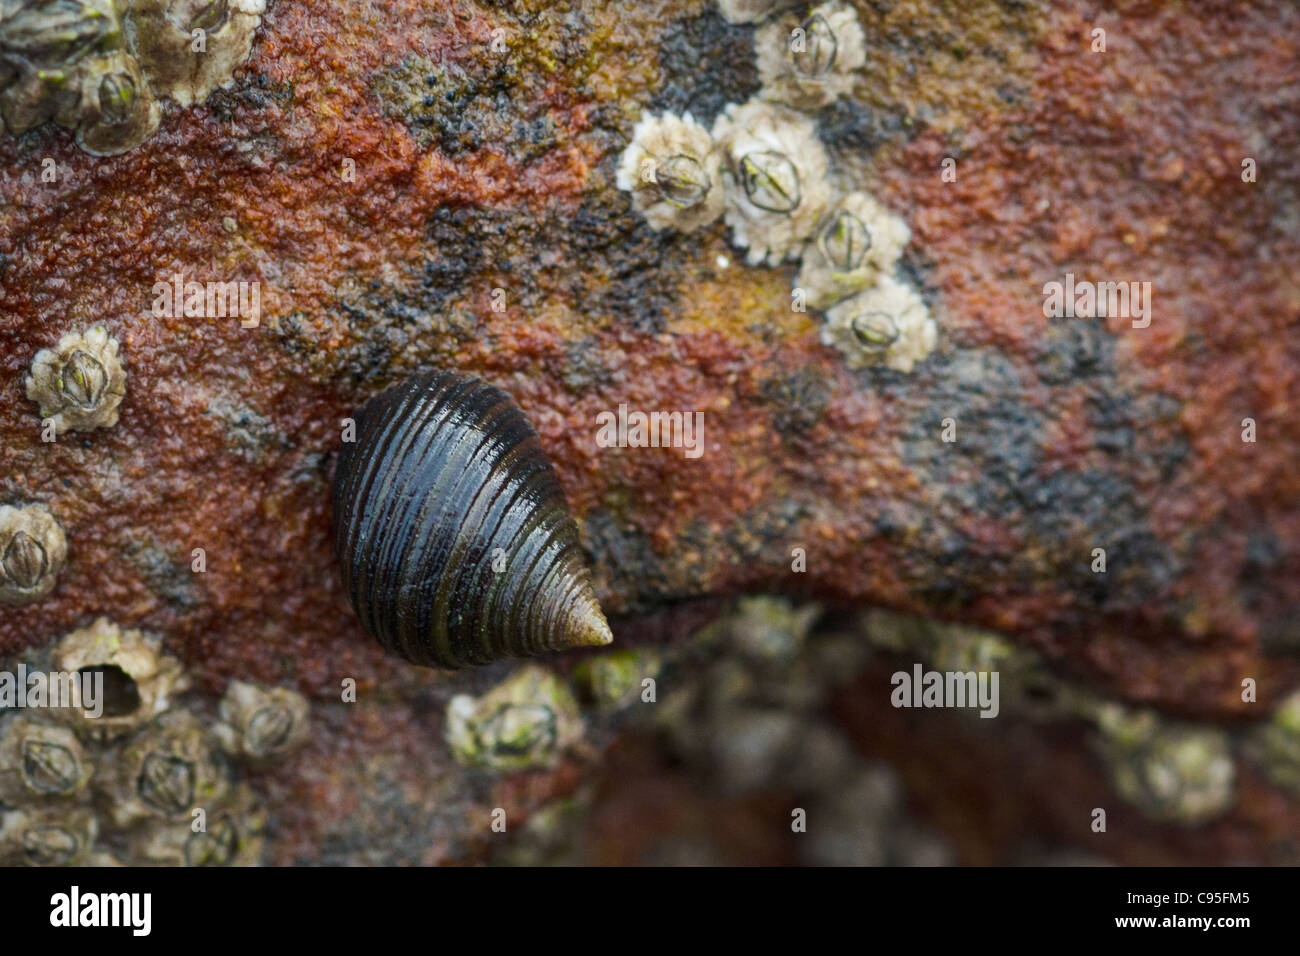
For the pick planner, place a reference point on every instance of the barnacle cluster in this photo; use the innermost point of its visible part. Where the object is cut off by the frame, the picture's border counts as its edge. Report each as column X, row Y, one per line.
column 32, row 551
column 80, row 383
column 1171, row 771
column 780, row 197
column 100, row 67
column 149, row 781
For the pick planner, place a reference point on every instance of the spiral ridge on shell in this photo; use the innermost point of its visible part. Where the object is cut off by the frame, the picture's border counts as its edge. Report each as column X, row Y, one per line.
column 452, row 531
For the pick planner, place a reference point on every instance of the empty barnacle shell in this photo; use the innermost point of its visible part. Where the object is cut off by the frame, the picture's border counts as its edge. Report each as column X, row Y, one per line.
column 524, row 723
column 857, row 243
column 80, row 383
column 809, row 63
column 260, row 723
column 46, row 836
column 887, row 325
column 673, row 173
column 452, row 531
column 164, row 772
column 775, row 178
column 39, row 760
column 138, row 679
column 32, row 551
column 230, row 835
column 178, row 65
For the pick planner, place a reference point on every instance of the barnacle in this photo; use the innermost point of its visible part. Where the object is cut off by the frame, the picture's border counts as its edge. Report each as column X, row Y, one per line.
column 80, row 383
column 139, row 679
column 526, row 722
column 165, row 771
column 118, row 110
column 231, row 835
column 1275, row 746
column 46, row 836
column 748, row 11
column 887, row 325
column 1170, row 772
column 613, row 681
column 855, row 244
column 775, row 178
column 39, row 761
column 673, row 173
column 810, row 62
column 186, row 65
column 258, row 723
column 32, row 551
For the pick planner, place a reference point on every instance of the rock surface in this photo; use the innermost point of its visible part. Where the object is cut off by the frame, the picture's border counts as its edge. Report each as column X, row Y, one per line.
column 382, row 170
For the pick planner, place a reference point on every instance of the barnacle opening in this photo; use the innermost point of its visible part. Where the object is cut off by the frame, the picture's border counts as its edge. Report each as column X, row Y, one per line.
column 166, row 783
column 269, row 730
column 117, row 96
column 771, row 181
column 121, row 694
column 49, row 846
column 682, row 181
column 49, row 767
column 82, row 379
column 207, row 15
column 25, row 561
column 875, row 331
column 816, row 55
column 844, row 241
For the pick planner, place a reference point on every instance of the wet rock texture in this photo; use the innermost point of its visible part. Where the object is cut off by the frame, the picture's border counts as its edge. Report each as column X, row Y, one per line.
column 383, row 169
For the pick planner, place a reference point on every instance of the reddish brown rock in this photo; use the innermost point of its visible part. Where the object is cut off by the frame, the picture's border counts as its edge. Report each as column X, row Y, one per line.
column 477, row 170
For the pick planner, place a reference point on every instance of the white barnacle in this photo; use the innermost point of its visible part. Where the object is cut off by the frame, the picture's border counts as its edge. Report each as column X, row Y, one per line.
column 857, row 242
column 673, row 173
column 80, row 383
column 886, row 325
column 750, row 11
column 189, row 48
column 810, row 62
column 775, row 173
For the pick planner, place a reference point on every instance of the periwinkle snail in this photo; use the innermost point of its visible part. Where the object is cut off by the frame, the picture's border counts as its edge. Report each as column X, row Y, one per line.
column 454, row 537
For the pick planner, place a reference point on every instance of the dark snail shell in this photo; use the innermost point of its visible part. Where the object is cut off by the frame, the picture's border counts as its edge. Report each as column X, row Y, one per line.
column 445, row 470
